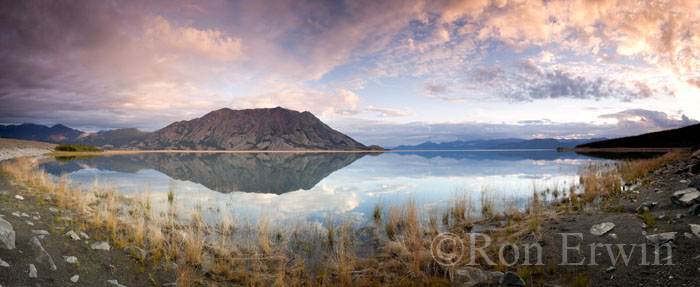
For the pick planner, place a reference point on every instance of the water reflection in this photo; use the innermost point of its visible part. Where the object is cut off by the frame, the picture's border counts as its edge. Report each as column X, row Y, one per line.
column 249, row 172
column 310, row 186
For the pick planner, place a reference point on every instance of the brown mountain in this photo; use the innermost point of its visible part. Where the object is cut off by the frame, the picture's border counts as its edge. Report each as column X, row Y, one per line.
column 251, row 129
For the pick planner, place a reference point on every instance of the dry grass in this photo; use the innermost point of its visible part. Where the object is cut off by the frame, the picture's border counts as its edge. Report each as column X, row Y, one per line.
column 636, row 170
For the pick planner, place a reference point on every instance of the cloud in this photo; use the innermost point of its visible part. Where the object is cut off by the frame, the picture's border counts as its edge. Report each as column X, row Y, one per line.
column 627, row 122
column 646, row 120
column 387, row 112
column 441, row 93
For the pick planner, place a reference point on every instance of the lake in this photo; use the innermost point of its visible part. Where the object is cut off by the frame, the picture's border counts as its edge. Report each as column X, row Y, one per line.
column 313, row 186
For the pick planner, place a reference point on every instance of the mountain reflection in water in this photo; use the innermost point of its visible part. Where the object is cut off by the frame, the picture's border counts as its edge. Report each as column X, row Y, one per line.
column 224, row 172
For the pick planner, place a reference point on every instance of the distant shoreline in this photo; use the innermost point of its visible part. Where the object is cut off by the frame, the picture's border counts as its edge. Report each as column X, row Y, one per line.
column 118, row 152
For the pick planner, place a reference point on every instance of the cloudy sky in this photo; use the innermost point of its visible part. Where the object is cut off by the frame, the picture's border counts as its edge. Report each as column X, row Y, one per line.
column 385, row 72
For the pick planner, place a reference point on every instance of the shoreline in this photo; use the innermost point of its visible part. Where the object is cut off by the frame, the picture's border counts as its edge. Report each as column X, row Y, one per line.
column 627, row 150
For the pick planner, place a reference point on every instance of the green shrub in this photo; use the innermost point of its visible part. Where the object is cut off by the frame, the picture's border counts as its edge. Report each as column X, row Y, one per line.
column 73, row 147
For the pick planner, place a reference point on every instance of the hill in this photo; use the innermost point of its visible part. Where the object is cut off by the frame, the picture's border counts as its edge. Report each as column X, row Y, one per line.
column 507, row 143
column 685, row 137
column 54, row 134
column 114, row 139
column 251, row 129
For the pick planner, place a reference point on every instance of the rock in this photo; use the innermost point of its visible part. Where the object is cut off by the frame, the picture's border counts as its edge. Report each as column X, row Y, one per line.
column 695, row 183
column 41, row 236
column 42, row 256
column 469, row 276
column 101, row 246
column 687, row 235
column 19, row 197
column 168, row 265
column 660, row 238
column 695, row 229
column 35, row 217
column 70, row 259
column 686, row 197
column 7, row 234
column 171, row 284
column 73, row 235
column 53, row 209
column 75, row 278
column 661, row 217
column 29, row 223
column 4, row 264
column 695, row 169
column 16, row 214
column 684, row 181
column 601, row 229
column 511, row 279
column 647, row 206
column 612, row 236
column 32, row 271
column 694, row 210
column 115, row 283
column 47, row 198
column 40, row 232
column 610, row 269
column 84, row 235
column 679, row 215
column 136, row 252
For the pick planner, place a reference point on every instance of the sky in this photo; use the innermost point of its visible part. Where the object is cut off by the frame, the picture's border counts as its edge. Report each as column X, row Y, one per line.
column 384, row 72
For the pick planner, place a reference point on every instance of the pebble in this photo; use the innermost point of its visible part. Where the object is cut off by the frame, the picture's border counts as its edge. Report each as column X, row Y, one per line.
column 16, row 214
column 115, row 283
column 40, row 232
column 32, row 271
column 53, row 209
column 612, row 236
column 4, row 264
column 35, row 217
column 74, row 278
column 688, row 235
column 25, row 215
column 29, row 222
column 70, row 259
column 84, row 235
column 610, row 269
column 19, row 197
column 100, row 246
column 73, row 235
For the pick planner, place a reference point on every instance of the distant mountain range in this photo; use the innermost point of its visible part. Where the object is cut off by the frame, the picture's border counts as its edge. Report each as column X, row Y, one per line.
column 224, row 129
column 685, row 137
column 507, row 143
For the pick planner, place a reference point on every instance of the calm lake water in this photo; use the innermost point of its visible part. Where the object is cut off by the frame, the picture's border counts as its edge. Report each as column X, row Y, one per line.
column 313, row 186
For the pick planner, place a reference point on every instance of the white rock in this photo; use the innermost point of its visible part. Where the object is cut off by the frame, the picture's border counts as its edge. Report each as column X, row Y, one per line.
column 100, row 246
column 40, row 232
column 53, row 209
column 32, row 271
column 74, row 278
column 686, row 197
column 601, row 229
column 29, row 223
column 73, row 235
column 612, row 236
column 7, row 234
column 4, row 264
column 19, row 197
column 25, row 215
column 35, row 217
column 70, row 259
column 84, row 235
column 695, row 229
column 115, row 283
column 16, row 214
column 661, row 238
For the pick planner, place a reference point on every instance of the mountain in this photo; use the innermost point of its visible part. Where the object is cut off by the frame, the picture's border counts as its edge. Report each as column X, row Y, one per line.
column 508, row 143
column 459, row 145
column 548, row 143
column 685, row 137
column 251, row 129
column 119, row 138
column 56, row 133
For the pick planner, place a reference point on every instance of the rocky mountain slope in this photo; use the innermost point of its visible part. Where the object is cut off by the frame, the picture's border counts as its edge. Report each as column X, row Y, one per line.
column 685, row 137
column 251, row 129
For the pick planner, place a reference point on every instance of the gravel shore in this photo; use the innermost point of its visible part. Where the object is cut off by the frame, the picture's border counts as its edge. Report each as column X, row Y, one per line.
column 12, row 148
